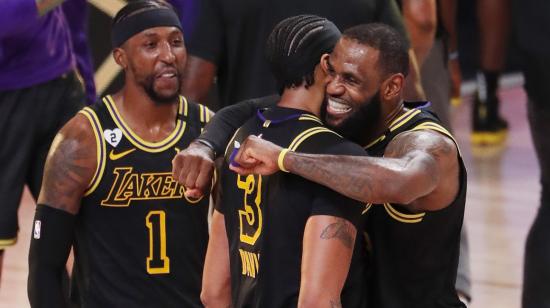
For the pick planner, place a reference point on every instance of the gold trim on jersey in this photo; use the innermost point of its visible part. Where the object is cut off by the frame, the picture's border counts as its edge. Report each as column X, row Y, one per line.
column 375, row 141
column 310, row 117
column 308, row 133
column 436, row 127
column 8, row 242
column 404, row 118
column 402, row 217
column 395, row 124
column 367, row 208
column 152, row 147
column 90, row 114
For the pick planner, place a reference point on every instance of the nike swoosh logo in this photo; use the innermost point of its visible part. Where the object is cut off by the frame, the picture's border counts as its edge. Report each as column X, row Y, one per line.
column 177, row 150
column 113, row 156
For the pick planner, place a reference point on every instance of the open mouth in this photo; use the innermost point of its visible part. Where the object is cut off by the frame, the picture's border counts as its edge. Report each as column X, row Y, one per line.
column 336, row 106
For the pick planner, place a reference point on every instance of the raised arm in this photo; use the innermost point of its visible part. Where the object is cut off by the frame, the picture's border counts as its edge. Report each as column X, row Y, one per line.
column 216, row 282
column 326, row 257
column 419, row 169
column 69, row 169
column 193, row 167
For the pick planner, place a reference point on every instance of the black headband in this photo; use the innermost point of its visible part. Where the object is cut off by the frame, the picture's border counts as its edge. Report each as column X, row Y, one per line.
column 156, row 17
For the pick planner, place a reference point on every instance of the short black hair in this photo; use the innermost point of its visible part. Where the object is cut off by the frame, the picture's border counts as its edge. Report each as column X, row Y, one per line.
column 295, row 47
column 392, row 45
column 138, row 6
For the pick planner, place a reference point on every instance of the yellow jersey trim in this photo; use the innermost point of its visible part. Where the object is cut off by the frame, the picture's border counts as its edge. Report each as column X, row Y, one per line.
column 436, row 127
column 403, row 119
column 402, row 217
column 375, row 141
column 8, row 242
column 152, row 147
column 306, row 134
column 309, row 117
column 90, row 114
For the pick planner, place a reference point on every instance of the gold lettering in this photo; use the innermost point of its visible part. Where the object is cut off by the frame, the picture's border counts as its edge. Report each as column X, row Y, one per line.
column 250, row 263
column 129, row 186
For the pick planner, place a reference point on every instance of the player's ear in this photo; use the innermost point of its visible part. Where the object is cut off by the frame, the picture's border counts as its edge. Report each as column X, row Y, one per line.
column 392, row 86
column 120, row 57
column 324, row 62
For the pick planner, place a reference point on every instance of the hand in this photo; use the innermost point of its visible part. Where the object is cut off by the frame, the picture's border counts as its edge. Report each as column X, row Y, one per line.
column 193, row 168
column 256, row 156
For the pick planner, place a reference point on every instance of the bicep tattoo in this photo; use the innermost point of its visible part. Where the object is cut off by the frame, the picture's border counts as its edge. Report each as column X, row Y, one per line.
column 341, row 230
column 69, row 168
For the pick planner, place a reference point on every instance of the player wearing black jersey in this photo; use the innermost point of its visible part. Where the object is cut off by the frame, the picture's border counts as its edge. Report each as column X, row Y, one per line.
column 108, row 190
column 290, row 241
column 415, row 187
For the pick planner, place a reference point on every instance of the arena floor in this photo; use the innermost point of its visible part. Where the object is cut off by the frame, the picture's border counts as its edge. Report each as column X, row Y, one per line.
column 503, row 194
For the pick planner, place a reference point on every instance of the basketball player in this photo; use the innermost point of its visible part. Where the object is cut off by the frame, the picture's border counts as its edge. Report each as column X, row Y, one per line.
column 290, row 241
column 414, row 185
column 108, row 191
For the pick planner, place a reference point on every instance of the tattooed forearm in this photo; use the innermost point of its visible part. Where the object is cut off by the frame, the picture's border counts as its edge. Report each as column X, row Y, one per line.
column 341, row 230
column 365, row 179
column 335, row 303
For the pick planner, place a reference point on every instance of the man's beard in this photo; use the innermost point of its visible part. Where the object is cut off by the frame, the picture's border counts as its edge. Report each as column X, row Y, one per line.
column 148, row 85
column 358, row 126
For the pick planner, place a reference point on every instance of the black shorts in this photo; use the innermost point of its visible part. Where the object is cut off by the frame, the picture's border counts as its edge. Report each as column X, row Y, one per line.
column 29, row 120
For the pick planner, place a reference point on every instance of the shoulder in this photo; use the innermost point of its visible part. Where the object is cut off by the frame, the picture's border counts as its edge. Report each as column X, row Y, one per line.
column 70, row 164
column 422, row 140
column 319, row 139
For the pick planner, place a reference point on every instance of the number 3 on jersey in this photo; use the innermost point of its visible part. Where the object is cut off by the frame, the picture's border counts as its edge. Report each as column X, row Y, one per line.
column 250, row 219
column 157, row 261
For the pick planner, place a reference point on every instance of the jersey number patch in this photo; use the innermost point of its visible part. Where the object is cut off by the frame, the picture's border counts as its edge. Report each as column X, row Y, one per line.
column 157, row 261
column 250, row 219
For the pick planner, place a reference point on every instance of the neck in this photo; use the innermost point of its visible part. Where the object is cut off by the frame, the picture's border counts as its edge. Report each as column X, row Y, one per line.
column 388, row 116
column 150, row 121
column 136, row 106
column 304, row 99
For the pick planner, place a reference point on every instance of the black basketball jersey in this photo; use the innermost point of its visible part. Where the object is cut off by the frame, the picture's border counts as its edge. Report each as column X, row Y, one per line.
column 265, row 216
column 415, row 254
column 139, row 241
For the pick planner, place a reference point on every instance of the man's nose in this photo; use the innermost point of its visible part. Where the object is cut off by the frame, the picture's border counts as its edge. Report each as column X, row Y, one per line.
column 166, row 53
column 335, row 87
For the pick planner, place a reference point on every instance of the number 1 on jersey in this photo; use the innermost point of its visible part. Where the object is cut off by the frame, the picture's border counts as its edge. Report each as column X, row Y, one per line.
column 157, row 261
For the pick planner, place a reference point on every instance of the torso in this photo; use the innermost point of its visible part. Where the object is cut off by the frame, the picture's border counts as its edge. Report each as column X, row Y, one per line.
column 265, row 233
column 415, row 254
column 139, row 241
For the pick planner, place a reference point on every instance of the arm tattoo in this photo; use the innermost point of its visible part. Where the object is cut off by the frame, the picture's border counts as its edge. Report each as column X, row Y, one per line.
column 335, row 304
column 69, row 169
column 341, row 230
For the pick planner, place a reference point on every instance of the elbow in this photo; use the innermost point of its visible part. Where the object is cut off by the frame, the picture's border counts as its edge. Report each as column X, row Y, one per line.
column 214, row 298
column 316, row 299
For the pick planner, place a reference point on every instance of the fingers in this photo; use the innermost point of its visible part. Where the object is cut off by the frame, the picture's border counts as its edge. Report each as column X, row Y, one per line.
column 193, row 168
column 193, row 193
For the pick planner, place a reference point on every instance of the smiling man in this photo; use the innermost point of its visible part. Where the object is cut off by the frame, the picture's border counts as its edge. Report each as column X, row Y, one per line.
column 108, row 191
column 413, row 183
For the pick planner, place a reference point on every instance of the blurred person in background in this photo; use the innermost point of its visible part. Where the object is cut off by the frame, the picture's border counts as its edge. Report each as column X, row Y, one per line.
column 532, row 34
column 227, row 43
column 42, row 43
column 488, row 127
